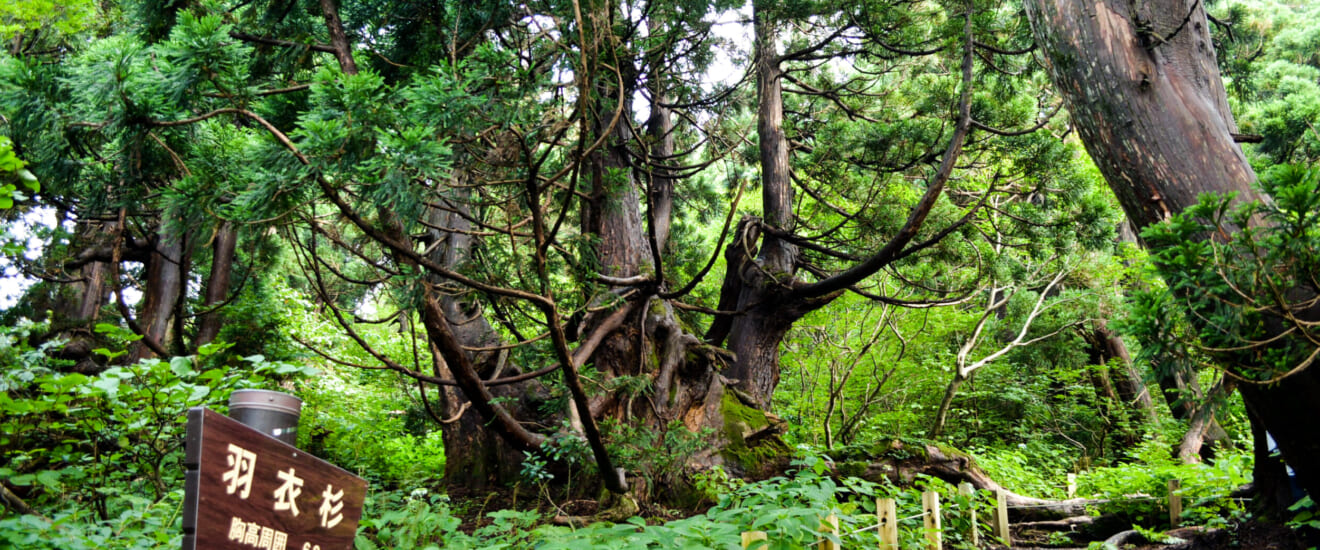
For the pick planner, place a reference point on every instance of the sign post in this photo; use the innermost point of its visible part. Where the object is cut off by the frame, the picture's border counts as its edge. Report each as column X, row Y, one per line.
column 247, row 490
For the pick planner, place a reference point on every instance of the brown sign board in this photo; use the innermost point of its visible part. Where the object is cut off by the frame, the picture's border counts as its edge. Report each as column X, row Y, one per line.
column 245, row 490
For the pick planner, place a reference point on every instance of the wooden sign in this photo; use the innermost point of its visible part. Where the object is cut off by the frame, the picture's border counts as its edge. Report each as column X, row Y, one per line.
column 246, row 490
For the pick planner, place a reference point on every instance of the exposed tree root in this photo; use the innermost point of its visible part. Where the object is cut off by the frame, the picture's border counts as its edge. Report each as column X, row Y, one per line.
column 1133, row 536
column 615, row 508
column 13, row 502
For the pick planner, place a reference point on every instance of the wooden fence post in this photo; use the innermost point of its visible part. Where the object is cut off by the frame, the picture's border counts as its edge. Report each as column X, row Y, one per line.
column 1001, row 529
column 930, row 504
column 966, row 490
column 1175, row 502
column 748, row 537
column 829, row 525
column 887, row 515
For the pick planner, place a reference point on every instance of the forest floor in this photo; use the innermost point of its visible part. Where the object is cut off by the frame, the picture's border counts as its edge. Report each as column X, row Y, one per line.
column 472, row 509
column 1251, row 535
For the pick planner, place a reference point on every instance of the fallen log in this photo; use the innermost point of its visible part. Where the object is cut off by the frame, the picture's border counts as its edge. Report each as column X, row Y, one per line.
column 901, row 461
column 1065, row 524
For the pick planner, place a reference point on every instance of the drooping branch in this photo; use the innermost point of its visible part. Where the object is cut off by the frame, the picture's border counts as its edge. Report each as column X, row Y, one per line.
column 935, row 186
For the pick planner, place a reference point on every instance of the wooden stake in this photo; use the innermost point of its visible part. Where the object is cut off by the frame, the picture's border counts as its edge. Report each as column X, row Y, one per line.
column 966, row 490
column 748, row 537
column 829, row 525
column 1072, row 485
column 1175, row 502
column 1001, row 529
column 930, row 504
column 887, row 515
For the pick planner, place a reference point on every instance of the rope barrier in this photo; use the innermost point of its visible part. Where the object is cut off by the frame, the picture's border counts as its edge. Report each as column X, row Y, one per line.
column 865, row 529
column 1028, row 506
column 1130, row 499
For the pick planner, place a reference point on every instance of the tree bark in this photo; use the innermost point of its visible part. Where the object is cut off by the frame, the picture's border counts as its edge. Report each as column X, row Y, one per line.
column 1117, row 381
column 475, row 457
column 660, row 131
column 93, row 291
column 161, row 290
column 613, row 212
column 765, row 317
column 338, row 39
column 1269, row 476
column 1141, row 82
column 777, row 256
column 217, row 285
column 946, row 403
column 1201, row 428
column 1127, row 381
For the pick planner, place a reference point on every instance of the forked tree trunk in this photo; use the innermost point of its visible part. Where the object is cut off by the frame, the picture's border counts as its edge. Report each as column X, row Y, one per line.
column 757, row 287
column 684, row 385
column 1141, row 82
column 946, row 404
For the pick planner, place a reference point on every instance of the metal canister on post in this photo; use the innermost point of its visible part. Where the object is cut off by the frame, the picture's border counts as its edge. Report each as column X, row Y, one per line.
column 270, row 412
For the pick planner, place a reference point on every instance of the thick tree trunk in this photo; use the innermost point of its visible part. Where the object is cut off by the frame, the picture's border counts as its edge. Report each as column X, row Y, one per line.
column 1286, row 411
column 777, row 256
column 762, row 284
column 217, row 286
column 660, row 131
column 475, row 457
column 684, row 384
column 613, row 212
column 1141, row 82
column 162, row 287
column 92, row 291
column 1146, row 98
column 1269, row 476
column 754, row 342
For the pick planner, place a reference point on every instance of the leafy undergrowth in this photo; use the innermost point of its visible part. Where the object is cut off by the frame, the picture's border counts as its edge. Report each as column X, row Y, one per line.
column 99, row 456
column 788, row 509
